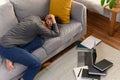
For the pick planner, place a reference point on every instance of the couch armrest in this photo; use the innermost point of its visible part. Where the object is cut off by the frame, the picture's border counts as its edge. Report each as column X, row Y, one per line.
column 78, row 13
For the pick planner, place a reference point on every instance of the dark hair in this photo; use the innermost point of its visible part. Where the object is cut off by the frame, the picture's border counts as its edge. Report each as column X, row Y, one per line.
column 58, row 20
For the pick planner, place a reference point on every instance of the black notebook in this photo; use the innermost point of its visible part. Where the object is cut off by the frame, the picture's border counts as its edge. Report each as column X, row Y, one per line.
column 92, row 70
column 103, row 65
column 87, row 76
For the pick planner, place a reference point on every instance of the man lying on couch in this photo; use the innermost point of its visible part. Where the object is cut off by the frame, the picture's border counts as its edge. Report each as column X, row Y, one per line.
column 20, row 41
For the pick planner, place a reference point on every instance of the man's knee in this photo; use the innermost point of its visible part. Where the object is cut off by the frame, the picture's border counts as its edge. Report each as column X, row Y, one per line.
column 36, row 64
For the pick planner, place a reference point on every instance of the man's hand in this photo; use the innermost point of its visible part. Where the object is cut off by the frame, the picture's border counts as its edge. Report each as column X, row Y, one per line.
column 51, row 17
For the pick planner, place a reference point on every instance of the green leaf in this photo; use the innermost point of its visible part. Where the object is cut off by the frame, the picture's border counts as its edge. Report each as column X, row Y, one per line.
column 102, row 2
column 111, row 4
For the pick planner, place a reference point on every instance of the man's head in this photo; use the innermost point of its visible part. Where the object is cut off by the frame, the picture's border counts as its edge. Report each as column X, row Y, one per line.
column 51, row 19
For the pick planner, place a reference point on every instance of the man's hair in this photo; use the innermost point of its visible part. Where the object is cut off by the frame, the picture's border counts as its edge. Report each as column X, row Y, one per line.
column 58, row 20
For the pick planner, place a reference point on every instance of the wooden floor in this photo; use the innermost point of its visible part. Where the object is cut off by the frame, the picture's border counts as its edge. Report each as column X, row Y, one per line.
column 98, row 26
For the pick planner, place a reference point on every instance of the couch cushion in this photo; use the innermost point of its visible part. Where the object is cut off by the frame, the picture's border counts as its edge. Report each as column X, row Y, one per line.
column 40, row 53
column 24, row 8
column 7, row 17
column 68, row 31
column 61, row 10
column 52, row 44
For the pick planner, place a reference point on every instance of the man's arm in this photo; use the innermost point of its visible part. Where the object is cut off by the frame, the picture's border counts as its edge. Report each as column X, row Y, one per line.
column 47, row 32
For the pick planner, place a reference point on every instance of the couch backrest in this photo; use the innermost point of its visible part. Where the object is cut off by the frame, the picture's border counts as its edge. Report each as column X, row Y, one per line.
column 7, row 17
column 24, row 8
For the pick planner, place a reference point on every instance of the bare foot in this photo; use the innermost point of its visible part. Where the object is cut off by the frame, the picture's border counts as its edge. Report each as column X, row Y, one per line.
column 9, row 65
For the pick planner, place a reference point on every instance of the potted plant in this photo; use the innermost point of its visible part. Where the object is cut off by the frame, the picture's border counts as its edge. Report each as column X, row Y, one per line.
column 111, row 3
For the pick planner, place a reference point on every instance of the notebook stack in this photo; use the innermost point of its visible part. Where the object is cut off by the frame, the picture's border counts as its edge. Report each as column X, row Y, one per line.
column 88, row 70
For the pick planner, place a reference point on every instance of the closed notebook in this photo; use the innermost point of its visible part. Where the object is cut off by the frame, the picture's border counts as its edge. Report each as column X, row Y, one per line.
column 92, row 70
column 103, row 65
column 89, row 76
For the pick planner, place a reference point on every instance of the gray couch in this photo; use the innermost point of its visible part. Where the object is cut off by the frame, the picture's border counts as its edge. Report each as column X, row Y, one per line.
column 14, row 10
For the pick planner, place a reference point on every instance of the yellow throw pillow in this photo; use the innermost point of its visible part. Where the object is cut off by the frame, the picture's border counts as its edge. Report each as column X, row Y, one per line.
column 61, row 9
